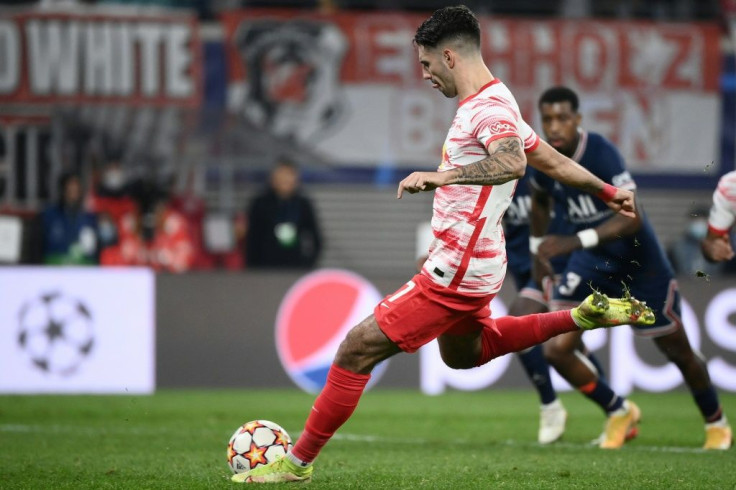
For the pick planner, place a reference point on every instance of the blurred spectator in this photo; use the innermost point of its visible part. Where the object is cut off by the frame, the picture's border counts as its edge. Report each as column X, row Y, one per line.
column 69, row 231
column 129, row 248
column 113, row 180
column 685, row 252
column 192, row 208
column 112, row 194
column 171, row 248
column 283, row 231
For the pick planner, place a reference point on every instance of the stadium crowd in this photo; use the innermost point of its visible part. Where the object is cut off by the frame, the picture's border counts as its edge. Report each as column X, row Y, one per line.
column 115, row 220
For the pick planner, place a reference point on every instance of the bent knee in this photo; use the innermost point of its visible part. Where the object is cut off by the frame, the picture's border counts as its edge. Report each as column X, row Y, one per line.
column 455, row 361
column 363, row 347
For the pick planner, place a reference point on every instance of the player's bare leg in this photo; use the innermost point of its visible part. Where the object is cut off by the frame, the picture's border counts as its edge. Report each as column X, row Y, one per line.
column 363, row 347
column 676, row 347
column 460, row 351
column 561, row 353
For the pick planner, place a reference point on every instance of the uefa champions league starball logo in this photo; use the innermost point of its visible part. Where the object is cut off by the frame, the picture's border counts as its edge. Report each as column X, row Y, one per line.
column 56, row 332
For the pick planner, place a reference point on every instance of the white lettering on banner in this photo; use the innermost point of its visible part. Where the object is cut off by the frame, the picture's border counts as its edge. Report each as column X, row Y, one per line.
column 53, row 57
column 99, row 67
column 73, row 57
column 178, row 60
column 124, row 66
column 592, row 49
column 723, row 333
column 436, row 377
column 150, row 37
column 9, row 61
column 399, row 61
column 596, row 56
column 422, row 123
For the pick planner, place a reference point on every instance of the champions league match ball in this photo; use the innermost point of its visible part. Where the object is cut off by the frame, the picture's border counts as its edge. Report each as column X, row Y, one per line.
column 256, row 443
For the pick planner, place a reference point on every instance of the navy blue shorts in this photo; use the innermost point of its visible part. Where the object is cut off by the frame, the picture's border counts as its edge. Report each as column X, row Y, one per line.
column 659, row 291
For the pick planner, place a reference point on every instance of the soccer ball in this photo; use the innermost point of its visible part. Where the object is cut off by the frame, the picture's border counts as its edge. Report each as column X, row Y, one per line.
column 256, row 443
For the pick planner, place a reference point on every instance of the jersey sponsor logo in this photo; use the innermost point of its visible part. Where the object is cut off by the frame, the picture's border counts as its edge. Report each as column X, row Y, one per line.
column 582, row 209
column 518, row 211
column 314, row 317
column 501, row 127
column 623, row 179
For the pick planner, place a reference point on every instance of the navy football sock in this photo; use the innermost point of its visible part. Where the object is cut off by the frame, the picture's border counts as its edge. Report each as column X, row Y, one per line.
column 707, row 402
column 537, row 370
column 603, row 395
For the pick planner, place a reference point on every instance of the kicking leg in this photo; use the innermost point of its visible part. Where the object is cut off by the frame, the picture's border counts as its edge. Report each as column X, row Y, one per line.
column 363, row 347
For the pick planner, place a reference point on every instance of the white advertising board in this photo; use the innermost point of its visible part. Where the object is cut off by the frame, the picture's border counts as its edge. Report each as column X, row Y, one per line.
column 77, row 330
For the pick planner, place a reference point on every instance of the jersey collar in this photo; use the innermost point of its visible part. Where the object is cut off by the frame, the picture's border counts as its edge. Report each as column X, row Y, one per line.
column 468, row 98
column 582, row 143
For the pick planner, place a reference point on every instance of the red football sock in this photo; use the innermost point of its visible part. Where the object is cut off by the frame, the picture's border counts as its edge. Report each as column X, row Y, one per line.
column 512, row 334
column 331, row 409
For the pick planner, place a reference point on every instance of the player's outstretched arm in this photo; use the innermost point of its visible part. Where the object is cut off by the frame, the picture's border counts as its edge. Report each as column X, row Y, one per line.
column 561, row 168
column 506, row 161
column 717, row 247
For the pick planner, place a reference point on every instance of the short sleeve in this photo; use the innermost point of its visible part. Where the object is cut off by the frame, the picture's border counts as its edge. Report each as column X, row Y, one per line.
column 529, row 137
column 492, row 119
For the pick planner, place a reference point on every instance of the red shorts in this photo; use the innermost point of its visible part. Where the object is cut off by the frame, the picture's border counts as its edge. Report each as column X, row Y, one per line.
column 420, row 311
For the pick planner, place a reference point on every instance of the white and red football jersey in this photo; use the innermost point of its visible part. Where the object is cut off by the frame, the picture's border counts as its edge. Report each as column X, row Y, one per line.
column 468, row 253
column 723, row 211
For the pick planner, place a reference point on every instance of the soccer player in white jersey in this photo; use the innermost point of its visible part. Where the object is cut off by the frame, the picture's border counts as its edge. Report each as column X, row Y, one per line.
column 717, row 245
column 483, row 156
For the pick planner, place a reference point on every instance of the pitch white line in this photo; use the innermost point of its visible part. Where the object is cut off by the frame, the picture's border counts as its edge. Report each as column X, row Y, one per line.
column 513, row 443
column 340, row 436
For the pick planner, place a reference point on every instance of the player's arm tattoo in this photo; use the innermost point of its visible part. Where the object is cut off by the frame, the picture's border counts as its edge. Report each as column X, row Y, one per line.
column 507, row 162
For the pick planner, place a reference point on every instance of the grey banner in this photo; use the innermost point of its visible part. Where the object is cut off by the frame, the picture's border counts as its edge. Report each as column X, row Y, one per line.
column 217, row 330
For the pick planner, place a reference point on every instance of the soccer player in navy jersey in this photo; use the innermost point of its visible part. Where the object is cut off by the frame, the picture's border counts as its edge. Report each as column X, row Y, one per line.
column 604, row 252
column 533, row 298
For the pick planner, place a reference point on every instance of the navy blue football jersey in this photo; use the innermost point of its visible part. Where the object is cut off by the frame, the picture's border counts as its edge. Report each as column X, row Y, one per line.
column 516, row 230
column 640, row 253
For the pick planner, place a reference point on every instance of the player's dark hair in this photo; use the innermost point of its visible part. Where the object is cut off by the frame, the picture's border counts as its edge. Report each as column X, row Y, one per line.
column 555, row 95
column 449, row 23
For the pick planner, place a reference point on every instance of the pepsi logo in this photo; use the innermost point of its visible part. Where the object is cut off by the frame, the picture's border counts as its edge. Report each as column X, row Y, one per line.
column 314, row 317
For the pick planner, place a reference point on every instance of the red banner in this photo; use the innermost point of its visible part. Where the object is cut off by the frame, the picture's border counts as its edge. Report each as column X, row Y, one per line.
column 590, row 55
column 348, row 86
column 100, row 56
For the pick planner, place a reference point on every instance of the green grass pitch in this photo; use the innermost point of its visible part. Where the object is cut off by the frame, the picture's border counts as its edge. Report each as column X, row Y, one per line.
column 396, row 439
